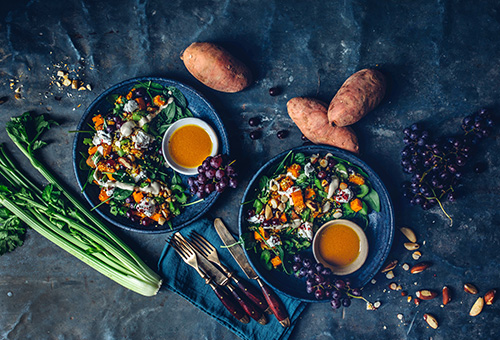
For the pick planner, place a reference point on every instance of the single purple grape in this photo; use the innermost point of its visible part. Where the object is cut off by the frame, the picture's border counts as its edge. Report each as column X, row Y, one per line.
column 219, row 174
column 216, row 162
column 233, row 183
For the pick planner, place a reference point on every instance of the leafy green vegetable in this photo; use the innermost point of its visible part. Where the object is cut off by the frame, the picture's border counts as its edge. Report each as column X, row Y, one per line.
column 12, row 231
column 57, row 215
column 373, row 200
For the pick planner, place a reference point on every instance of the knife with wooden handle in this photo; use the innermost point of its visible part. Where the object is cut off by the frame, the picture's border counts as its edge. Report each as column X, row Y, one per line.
column 239, row 256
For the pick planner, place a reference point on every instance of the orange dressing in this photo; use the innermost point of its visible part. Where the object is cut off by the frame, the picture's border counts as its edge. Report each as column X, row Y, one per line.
column 339, row 245
column 189, row 145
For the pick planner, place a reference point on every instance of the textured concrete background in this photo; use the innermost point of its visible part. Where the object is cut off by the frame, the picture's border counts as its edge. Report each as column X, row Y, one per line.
column 443, row 61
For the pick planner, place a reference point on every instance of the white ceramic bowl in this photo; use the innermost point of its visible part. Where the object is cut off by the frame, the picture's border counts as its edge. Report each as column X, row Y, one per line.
column 363, row 248
column 168, row 134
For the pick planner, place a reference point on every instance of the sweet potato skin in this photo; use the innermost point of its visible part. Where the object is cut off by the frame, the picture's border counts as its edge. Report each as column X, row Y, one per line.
column 359, row 94
column 216, row 67
column 310, row 116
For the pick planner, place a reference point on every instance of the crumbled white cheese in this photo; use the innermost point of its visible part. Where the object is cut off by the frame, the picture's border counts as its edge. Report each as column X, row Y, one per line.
column 141, row 139
column 343, row 196
column 101, row 137
column 273, row 241
column 138, row 176
column 256, row 219
column 306, row 231
column 146, row 206
column 110, row 191
column 130, row 106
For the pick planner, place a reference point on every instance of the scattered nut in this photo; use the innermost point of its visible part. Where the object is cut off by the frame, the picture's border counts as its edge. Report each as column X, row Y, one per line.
column 410, row 235
column 431, row 320
column 477, row 307
column 446, row 295
column 416, row 255
column 470, row 288
column 82, row 88
column 376, row 304
column 399, row 287
column 389, row 266
column 74, row 84
column 420, row 267
column 89, row 87
column 369, row 306
column 400, row 316
column 489, row 297
column 66, row 82
column 393, row 286
column 17, row 96
column 426, row 294
column 416, row 301
column 61, row 73
column 411, row 246
column 390, row 275
column 406, row 266
column 409, row 298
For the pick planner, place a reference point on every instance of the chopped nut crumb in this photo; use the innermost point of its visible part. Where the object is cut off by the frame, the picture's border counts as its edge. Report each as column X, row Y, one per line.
column 390, row 275
column 406, row 266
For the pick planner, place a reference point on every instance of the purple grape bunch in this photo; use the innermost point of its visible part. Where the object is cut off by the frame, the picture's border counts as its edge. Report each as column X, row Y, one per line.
column 321, row 282
column 437, row 165
column 213, row 175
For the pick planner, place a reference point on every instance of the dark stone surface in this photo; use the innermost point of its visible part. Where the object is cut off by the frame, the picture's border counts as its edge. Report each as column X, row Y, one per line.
column 443, row 61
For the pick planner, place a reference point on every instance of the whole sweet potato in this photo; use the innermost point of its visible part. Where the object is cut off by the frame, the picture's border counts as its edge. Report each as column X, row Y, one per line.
column 310, row 115
column 216, row 68
column 359, row 94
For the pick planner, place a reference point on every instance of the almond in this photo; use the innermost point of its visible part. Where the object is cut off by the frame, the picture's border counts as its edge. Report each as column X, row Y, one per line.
column 426, row 294
column 470, row 288
column 420, row 267
column 410, row 235
column 411, row 246
column 389, row 266
column 431, row 320
column 446, row 295
column 489, row 297
column 477, row 307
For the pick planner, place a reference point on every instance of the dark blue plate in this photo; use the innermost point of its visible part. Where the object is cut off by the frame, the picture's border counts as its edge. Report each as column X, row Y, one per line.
column 200, row 108
column 380, row 231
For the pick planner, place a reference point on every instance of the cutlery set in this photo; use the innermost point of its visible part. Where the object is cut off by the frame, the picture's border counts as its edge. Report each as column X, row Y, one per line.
column 242, row 300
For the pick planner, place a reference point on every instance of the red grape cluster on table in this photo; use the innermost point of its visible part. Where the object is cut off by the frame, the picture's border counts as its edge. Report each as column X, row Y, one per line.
column 437, row 165
column 214, row 174
column 321, row 282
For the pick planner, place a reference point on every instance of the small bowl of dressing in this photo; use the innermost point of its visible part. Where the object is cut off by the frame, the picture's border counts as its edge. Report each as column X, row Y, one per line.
column 187, row 143
column 340, row 245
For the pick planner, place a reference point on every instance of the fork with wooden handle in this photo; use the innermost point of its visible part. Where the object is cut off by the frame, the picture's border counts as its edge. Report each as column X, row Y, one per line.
column 189, row 257
column 210, row 253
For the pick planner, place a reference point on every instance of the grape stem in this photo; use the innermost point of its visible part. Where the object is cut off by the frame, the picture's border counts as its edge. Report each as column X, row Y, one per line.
column 357, row 297
column 441, row 206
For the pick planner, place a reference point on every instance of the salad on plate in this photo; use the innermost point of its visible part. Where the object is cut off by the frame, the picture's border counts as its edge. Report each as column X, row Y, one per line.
column 125, row 158
column 298, row 196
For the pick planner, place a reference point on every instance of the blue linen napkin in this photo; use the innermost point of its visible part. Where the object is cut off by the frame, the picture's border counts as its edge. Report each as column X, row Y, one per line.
column 185, row 281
